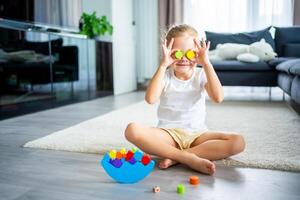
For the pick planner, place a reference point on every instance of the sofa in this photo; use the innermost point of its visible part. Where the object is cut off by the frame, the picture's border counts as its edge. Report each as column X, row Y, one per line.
column 283, row 71
column 64, row 60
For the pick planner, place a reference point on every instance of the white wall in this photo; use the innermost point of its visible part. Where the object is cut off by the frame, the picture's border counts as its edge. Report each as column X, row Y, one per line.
column 123, row 47
column 120, row 14
column 102, row 7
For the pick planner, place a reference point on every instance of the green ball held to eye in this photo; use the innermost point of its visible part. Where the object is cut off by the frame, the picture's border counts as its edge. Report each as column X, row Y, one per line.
column 178, row 54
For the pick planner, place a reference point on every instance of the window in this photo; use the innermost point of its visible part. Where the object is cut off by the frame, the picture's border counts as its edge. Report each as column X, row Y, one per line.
column 237, row 15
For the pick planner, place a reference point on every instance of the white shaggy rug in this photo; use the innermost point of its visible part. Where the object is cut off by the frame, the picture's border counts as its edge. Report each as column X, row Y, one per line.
column 271, row 131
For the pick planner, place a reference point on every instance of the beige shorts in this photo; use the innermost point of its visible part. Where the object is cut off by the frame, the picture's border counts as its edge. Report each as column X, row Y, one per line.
column 183, row 138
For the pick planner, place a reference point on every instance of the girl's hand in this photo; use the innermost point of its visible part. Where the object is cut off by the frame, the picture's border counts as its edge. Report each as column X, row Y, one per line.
column 167, row 59
column 202, row 52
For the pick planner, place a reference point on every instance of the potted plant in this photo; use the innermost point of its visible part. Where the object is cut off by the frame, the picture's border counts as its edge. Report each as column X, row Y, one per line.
column 93, row 26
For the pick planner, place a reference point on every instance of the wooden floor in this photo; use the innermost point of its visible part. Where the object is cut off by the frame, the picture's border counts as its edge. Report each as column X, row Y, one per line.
column 40, row 174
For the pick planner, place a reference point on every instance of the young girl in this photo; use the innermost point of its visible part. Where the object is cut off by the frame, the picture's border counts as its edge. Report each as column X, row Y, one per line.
column 181, row 135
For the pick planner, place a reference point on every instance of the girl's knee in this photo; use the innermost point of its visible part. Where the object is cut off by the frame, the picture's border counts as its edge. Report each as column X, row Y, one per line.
column 237, row 144
column 131, row 131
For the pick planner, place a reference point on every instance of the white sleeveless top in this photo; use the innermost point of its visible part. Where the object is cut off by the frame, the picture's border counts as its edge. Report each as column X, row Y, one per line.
column 182, row 102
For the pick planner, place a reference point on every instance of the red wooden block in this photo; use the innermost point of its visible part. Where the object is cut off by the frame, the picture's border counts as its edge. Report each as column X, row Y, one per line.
column 146, row 159
column 129, row 155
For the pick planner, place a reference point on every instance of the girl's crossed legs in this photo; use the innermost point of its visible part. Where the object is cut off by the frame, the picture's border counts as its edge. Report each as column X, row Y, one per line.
column 208, row 146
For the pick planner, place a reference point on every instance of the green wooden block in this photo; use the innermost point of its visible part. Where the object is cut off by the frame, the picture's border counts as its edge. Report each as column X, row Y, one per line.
column 180, row 189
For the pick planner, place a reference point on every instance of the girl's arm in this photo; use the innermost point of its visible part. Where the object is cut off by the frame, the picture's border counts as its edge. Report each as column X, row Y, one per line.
column 213, row 86
column 157, row 84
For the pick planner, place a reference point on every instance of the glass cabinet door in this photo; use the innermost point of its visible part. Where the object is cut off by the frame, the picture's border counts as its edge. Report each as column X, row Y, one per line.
column 41, row 70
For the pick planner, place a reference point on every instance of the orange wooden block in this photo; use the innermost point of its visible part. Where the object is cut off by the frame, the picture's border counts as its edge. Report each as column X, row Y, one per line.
column 194, row 180
column 119, row 155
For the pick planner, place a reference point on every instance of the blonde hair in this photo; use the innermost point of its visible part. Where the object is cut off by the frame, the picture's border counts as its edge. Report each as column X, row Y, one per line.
column 180, row 30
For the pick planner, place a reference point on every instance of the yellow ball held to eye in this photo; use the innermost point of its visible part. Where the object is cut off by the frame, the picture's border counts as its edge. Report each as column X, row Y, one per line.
column 190, row 54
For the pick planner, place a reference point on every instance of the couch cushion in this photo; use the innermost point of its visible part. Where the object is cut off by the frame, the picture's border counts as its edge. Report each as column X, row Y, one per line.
column 284, row 81
column 288, row 65
column 276, row 61
column 235, row 65
column 241, row 38
column 248, row 78
column 295, row 69
column 286, row 35
column 292, row 50
column 295, row 90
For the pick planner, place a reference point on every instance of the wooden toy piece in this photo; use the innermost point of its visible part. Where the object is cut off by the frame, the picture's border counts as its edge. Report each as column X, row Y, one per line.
column 190, row 54
column 180, row 189
column 116, row 162
column 127, row 173
column 156, row 189
column 132, row 160
column 194, row 180
column 128, row 155
column 179, row 54
column 133, row 149
column 112, row 154
column 119, row 155
column 123, row 152
column 146, row 159
column 138, row 155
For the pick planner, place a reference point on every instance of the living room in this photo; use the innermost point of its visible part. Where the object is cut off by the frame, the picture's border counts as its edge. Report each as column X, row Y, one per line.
column 86, row 86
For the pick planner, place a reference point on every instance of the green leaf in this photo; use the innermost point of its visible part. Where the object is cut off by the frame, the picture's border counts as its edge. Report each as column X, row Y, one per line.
column 93, row 25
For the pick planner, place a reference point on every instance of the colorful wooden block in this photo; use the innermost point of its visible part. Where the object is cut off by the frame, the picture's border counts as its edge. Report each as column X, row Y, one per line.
column 156, row 189
column 123, row 151
column 138, row 155
column 180, row 189
column 129, row 155
column 179, row 54
column 190, row 54
column 146, row 159
column 134, row 149
column 119, row 155
column 194, row 180
column 116, row 162
column 112, row 154
column 132, row 160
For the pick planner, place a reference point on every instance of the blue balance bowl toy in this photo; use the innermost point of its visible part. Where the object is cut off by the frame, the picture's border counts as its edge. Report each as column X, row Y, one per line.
column 127, row 166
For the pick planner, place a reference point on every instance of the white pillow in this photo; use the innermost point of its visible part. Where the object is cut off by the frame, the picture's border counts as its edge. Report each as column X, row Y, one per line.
column 248, row 57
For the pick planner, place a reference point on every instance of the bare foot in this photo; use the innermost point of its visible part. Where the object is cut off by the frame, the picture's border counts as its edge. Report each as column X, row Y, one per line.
column 166, row 163
column 202, row 165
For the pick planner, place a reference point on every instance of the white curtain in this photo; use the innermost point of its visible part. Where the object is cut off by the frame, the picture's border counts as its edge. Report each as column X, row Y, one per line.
column 237, row 15
column 147, row 40
column 58, row 12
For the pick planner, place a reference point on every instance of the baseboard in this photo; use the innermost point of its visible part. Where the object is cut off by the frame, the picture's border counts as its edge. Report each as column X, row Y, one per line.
column 143, row 86
column 295, row 106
